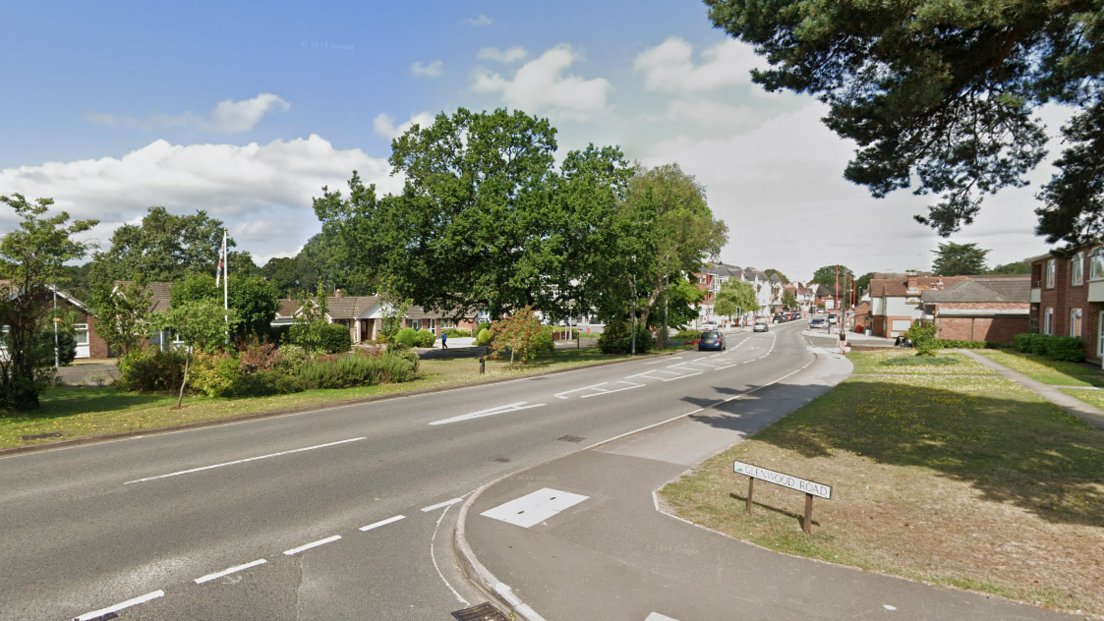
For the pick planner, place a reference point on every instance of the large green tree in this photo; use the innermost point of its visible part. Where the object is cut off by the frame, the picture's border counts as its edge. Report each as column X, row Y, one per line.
column 827, row 275
column 31, row 259
column 953, row 259
column 735, row 296
column 122, row 315
column 774, row 272
column 1016, row 267
column 163, row 247
column 940, row 95
column 862, row 283
column 484, row 221
column 253, row 299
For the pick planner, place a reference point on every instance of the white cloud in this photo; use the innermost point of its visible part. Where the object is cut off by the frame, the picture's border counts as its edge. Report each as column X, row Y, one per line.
column 541, row 86
column 507, row 56
column 241, row 184
column 669, row 66
column 384, row 124
column 228, row 117
column 432, row 70
column 482, row 20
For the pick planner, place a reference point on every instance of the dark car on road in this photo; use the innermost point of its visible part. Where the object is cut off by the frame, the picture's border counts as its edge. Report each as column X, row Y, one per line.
column 711, row 339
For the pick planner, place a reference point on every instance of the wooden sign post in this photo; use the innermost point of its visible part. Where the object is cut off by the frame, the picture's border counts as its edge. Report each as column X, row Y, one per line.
column 810, row 488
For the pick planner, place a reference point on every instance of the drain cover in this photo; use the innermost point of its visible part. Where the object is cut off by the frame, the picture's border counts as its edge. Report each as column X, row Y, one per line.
column 575, row 439
column 482, row 612
column 43, row 436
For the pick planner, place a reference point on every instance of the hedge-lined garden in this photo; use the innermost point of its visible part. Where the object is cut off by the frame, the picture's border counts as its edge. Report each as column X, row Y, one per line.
column 1064, row 348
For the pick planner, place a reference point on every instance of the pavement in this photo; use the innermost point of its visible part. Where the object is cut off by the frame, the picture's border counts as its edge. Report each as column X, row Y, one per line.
column 1080, row 409
column 599, row 546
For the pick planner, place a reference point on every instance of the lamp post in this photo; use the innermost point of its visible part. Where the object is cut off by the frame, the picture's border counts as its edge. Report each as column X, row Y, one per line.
column 632, row 279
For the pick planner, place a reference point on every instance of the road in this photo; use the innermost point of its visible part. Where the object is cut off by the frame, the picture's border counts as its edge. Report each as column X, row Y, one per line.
column 344, row 513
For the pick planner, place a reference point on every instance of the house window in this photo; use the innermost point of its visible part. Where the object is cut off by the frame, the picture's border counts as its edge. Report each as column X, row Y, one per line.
column 80, row 332
column 1048, row 321
column 1050, row 274
column 1075, row 322
column 416, row 324
column 431, row 324
column 1077, row 269
column 1096, row 264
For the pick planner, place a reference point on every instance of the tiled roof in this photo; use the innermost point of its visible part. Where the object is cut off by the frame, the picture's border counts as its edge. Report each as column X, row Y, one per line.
column 159, row 295
column 898, row 287
column 985, row 289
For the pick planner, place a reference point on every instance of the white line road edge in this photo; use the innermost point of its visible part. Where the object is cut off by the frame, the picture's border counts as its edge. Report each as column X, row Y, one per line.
column 313, row 544
column 243, row 461
column 390, row 520
column 103, row 612
column 227, row 572
column 447, row 503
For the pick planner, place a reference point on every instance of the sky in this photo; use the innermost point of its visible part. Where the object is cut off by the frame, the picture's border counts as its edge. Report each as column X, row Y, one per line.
column 247, row 109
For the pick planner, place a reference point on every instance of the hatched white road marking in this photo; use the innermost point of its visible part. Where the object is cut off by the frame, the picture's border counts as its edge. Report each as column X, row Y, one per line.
column 655, row 616
column 606, row 392
column 534, row 508
column 242, row 461
column 110, row 610
column 559, row 395
column 671, row 379
column 227, row 572
column 502, row 409
column 441, row 504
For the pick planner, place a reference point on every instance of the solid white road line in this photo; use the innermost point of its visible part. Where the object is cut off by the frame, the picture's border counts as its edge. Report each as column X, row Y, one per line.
column 441, row 504
column 227, row 572
column 513, row 407
column 313, row 544
column 389, row 520
column 243, row 461
column 103, row 612
column 727, row 366
column 671, row 379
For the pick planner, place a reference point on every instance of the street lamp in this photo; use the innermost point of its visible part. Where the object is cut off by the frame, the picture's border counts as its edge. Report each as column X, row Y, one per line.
column 632, row 279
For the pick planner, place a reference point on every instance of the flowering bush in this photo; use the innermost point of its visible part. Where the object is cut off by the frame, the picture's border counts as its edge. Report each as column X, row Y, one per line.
column 515, row 333
column 260, row 357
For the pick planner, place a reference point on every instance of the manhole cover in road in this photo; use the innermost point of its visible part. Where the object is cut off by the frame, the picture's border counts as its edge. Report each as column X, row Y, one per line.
column 575, row 439
column 482, row 612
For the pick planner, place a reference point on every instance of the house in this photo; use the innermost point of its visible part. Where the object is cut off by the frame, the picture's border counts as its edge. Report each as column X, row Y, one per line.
column 990, row 308
column 1067, row 297
column 89, row 344
column 768, row 290
column 363, row 316
column 895, row 300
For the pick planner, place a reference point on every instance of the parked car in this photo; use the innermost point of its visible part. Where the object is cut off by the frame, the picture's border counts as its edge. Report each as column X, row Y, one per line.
column 711, row 339
column 831, row 318
column 818, row 322
column 760, row 326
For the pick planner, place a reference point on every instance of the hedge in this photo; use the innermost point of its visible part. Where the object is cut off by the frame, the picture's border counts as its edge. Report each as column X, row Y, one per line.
column 617, row 339
column 956, row 344
column 1064, row 348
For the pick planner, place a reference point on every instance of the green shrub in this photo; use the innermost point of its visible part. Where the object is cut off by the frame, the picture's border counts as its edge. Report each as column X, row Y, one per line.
column 1065, row 348
column 957, row 344
column 484, row 337
column 336, row 339
column 457, row 333
column 1022, row 342
column 353, row 371
column 277, row 334
column 266, row 383
column 486, row 325
column 617, row 339
column 66, row 346
column 922, row 336
column 406, row 354
column 406, row 337
column 148, row 369
column 214, row 375
column 543, row 343
column 1038, row 344
column 688, row 335
column 424, row 338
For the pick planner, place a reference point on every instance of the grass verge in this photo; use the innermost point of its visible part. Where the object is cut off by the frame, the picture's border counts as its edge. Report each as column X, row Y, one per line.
column 70, row 412
column 1052, row 372
column 967, row 481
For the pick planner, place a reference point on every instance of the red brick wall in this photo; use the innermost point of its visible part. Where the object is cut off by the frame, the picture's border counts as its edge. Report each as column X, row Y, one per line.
column 97, row 347
column 993, row 329
column 1063, row 297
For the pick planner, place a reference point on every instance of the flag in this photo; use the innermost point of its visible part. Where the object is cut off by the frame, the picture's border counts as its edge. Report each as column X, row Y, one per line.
column 222, row 257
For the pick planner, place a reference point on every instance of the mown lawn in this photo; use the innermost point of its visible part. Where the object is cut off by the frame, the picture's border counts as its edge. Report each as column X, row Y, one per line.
column 954, row 478
column 1045, row 370
column 76, row 412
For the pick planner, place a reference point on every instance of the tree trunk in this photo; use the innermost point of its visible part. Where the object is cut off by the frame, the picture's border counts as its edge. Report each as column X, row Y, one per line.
column 184, row 382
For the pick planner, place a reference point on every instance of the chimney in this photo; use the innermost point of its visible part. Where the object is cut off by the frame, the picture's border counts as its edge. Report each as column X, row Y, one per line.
column 913, row 282
column 337, row 293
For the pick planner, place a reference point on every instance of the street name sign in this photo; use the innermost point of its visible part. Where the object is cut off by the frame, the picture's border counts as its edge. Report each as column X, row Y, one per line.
column 785, row 480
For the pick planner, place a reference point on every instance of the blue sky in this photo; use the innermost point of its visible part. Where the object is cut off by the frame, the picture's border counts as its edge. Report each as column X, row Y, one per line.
column 247, row 109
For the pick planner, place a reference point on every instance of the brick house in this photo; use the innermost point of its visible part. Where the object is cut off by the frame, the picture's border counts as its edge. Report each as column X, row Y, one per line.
column 89, row 343
column 990, row 308
column 1067, row 297
column 895, row 300
column 363, row 316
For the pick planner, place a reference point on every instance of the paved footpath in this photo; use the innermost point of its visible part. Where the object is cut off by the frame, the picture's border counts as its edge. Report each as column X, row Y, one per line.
column 1073, row 405
column 585, row 539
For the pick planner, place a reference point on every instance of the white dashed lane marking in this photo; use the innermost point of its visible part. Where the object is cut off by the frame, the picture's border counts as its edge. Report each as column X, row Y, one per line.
column 227, row 572
column 109, row 612
column 502, row 409
column 313, row 544
column 374, row 525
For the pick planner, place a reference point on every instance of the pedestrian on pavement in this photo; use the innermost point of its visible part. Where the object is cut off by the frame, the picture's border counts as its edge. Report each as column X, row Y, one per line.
column 444, row 340
column 843, row 342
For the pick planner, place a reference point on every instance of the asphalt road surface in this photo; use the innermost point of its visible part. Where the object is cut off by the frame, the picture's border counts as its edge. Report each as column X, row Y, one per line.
column 344, row 513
